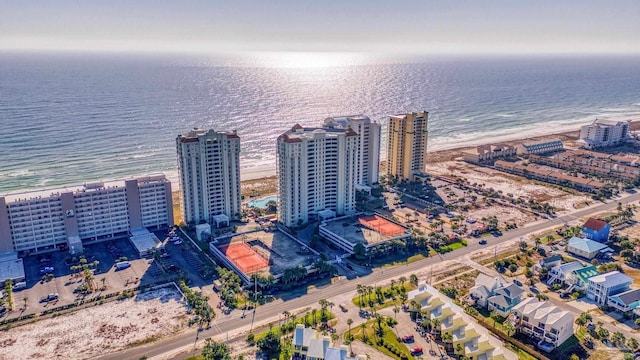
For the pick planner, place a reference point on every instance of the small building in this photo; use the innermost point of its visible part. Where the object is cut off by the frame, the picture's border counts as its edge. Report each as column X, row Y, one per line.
column 11, row 268
column 551, row 261
column 203, row 230
column 626, row 301
column 541, row 147
column 488, row 153
column 586, row 248
column 596, row 229
column 143, row 241
column 605, row 285
column 546, row 323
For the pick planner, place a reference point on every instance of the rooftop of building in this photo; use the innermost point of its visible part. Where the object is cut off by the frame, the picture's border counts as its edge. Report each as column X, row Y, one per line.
column 628, row 297
column 586, row 273
column 612, row 278
column 367, row 229
column 194, row 134
column 552, row 258
column 586, row 245
column 343, row 121
column 11, row 267
column 595, row 224
column 569, row 267
column 86, row 187
column 542, row 142
column 298, row 133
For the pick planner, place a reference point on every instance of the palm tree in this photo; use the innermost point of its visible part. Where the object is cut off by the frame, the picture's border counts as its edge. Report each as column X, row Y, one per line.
column 402, row 280
column 395, row 312
column 413, row 279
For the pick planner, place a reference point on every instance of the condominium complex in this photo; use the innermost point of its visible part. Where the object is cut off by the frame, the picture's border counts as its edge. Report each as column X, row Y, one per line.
column 46, row 219
column 603, row 133
column 407, row 144
column 368, row 146
column 209, row 168
column 317, row 172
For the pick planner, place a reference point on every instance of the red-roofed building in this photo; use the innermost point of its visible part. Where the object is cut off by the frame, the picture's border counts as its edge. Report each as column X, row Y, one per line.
column 596, row 229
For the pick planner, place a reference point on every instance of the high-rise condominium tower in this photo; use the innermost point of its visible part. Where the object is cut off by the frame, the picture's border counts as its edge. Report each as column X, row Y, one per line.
column 407, row 144
column 368, row 146
column 316, row 173
column 209, row 167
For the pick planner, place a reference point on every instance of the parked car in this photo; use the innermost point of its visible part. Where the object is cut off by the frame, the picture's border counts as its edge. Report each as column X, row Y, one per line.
column 482, row 242
column 517, row 282
column 407, row 338
column 178, row 242
column 416, row 350
column 46, row 270
column 50, row 297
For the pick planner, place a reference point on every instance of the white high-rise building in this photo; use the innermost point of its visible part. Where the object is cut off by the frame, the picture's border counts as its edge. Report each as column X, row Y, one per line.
column 317, row 173
column 209, row 168
column 603, row 133
column 43, row 220
column 368, row 152
column 407, row 144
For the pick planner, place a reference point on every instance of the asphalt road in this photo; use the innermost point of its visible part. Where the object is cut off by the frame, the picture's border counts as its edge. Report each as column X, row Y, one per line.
column 227, row 324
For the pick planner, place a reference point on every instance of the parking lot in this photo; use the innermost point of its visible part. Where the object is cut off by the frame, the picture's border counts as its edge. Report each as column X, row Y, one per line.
column 107, row 279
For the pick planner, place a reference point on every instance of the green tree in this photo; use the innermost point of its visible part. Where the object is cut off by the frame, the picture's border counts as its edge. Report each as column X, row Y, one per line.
column 413, row 279
column 215, row 351
column 269, row 344
column 632, row 344
column 583, row 319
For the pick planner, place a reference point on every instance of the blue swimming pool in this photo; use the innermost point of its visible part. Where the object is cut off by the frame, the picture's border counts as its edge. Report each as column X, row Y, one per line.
column 261, row 203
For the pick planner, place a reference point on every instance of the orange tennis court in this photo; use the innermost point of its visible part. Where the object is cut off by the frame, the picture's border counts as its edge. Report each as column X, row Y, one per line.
column 245, row 258
column 384, row 227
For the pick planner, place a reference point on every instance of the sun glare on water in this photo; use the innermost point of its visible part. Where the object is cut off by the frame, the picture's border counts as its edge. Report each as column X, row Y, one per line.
column 307, row 59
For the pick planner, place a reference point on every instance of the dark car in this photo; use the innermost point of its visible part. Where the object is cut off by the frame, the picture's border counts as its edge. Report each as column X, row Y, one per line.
column 482, row 242
column 407, row 338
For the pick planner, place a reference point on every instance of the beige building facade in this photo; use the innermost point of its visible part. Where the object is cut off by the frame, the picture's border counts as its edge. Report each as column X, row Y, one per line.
column 407, row 137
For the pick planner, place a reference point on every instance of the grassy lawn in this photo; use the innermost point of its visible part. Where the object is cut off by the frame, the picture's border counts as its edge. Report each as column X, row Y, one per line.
column 453, row 246
column 522, row 355
column 386, row 299
column 389, row 340
column 307, row 319
column 409, row 260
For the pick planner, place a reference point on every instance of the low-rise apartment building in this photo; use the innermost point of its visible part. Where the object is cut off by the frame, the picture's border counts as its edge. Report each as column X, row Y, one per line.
column 546, row 323
column 44, row 220
column 601, row 287
column 541, row 147
column 488, row 153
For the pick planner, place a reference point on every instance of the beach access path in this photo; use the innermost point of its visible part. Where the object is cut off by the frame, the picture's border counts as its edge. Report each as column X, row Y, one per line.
column 233, row 326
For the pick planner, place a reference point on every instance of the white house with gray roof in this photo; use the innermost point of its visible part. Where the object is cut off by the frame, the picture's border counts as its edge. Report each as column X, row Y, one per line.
column 626, row 301
column 601, row 287
column 549, row 325
column 311, row 345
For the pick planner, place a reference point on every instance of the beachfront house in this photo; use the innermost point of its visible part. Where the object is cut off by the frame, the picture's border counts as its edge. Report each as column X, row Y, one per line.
column 603, row 286
column 547, row 324
column 626, row 301
column 491, row 293
column 587, row 249
column 596, row 229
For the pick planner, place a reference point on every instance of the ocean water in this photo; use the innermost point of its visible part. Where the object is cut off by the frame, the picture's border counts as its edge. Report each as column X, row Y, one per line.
column 70, row 118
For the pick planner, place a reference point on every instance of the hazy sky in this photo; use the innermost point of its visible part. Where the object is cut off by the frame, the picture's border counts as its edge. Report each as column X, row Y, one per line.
column 447, row 26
